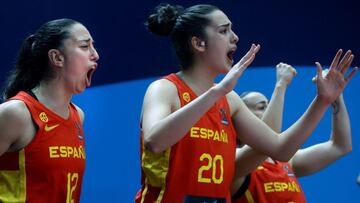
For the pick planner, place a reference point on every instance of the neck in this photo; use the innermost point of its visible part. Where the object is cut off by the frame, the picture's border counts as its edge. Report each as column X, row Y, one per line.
column 53, row 97
column 198, row 78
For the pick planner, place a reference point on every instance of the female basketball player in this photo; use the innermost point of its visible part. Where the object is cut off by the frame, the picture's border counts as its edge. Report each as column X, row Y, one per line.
column 189, row 124
column 41, row 137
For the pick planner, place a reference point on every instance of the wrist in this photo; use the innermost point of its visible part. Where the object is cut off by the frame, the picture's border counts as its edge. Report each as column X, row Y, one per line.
column 281, row 85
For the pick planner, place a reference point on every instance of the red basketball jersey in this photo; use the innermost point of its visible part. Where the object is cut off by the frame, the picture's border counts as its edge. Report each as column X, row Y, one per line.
column 200, row 167
column 272, row 183
column 51, row 167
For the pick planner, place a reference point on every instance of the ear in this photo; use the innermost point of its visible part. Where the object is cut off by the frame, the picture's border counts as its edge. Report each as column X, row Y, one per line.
column 56, row 58
column 198, row 44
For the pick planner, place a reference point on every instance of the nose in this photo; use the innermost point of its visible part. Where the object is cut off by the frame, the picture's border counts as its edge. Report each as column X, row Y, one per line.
column 234, row 38
column 94, row 54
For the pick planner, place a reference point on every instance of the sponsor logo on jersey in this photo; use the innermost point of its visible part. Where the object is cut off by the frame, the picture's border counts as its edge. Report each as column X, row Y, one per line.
column 78, row 131
column 43, row 117
column 286, row 168
column 50, row 128
column 224, row 120
column 186, row 96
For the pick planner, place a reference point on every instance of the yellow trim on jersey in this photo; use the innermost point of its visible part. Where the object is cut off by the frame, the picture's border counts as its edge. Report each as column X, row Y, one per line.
column 249, row 197
column 143, row 194
column 13, row 182
column 156, row 167
column 22, row 196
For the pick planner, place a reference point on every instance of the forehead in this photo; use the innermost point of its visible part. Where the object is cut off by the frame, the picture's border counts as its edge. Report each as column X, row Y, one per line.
column 255, row 98
column 78, row 32
column 218, row 18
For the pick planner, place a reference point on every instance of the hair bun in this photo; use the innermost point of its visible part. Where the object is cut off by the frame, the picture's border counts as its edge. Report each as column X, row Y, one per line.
column 163, row 20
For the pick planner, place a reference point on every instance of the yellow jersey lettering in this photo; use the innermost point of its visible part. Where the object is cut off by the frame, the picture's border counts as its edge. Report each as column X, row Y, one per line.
column 63, row 152
column 205, row 133
column 76, row 154
column 66, row 152
column 281, row 187
column 194, row 132
column 53, row 152
column 268, row 187
column 223, row 136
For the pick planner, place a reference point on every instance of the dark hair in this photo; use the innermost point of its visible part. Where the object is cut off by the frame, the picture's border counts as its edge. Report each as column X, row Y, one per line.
column 32, row 63
column 181, row 25
column 244, row 94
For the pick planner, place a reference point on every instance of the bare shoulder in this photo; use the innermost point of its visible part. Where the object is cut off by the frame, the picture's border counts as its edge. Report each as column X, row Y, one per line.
column 161, row 90
column 16, row 126
column 14, row 111
column 234, row 102
column 162, row 85
column 80, row 112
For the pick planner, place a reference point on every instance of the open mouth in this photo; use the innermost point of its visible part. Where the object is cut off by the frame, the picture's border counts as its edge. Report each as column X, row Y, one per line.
column 89, row 76
column 230, row 55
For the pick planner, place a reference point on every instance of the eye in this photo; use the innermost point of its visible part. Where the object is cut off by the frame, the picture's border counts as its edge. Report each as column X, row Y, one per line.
column 223, row 31
column 84, row 46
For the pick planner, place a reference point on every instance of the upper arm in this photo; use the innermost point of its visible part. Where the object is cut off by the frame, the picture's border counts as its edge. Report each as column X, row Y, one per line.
column 81, row 113
column 161, row 99
column 250, row 129
column 16, row 128
column 312, row 159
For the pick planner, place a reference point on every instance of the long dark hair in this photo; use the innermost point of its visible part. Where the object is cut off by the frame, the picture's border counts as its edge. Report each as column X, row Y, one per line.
column 181, row 25
column 32, row 63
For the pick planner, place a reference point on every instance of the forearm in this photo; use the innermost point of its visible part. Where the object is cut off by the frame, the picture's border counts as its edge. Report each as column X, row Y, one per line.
column 341, row 132
column 273, row 115
column 169, row 130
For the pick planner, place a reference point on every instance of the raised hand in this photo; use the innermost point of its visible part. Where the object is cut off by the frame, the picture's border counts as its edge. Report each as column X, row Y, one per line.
column 284, row 74
column 329, row 87
column 228, row 83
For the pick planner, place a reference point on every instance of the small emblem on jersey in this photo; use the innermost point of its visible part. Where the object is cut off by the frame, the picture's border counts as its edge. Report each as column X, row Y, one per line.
column 43, row 117
column 224, row 120
column 286, row 168
column 78, row 131
column 50, row 128
column 186, row 96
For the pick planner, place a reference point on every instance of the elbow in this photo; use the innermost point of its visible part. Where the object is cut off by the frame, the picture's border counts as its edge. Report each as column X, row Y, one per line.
column 152, row 146
column 282, row 156
column 347, row 150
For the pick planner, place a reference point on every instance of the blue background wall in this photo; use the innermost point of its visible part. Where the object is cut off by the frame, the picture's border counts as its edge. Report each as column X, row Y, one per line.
column 297, row 32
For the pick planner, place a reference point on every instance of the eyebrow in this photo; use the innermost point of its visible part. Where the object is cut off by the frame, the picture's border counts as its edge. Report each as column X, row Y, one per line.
column 86, row 40
column 225, row 25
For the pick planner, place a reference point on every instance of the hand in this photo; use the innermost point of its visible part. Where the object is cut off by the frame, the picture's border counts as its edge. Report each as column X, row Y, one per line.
column 228, row 83
column 330, row 86
column 284, row 74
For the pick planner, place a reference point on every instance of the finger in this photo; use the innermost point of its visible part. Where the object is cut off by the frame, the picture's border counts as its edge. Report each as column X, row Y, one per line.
column 319, row 70
column 248, row 62
column 344, row 60
column 294, row 72
column 257, row 48
column 336, row 59
column 347, row 65
column 247, row 55
column 314, row 79
column 351, row 74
